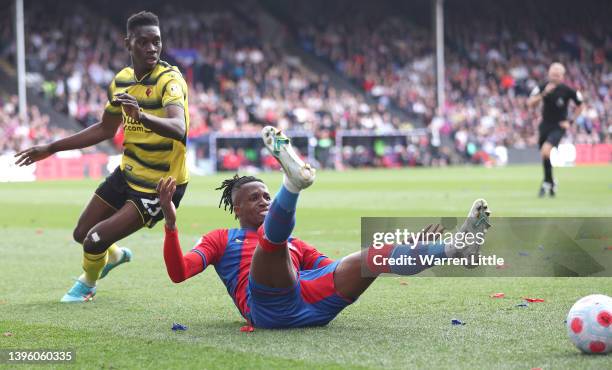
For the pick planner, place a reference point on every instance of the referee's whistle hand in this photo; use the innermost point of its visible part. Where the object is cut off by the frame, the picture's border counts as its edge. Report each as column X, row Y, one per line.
column 549, row 87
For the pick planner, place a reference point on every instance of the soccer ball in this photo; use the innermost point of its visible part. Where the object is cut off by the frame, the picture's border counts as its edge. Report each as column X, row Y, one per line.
column 589, row 324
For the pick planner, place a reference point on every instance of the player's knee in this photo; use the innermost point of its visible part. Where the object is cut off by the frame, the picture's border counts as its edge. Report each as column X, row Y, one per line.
column 94, row 243
column 348, row 278
column 79, row 234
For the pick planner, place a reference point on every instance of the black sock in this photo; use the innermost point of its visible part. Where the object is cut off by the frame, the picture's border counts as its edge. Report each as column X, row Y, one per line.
column 547, row 170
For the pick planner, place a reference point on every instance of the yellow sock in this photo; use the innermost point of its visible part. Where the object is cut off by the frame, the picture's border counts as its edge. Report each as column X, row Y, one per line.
column 93, row 265
column 114, row 253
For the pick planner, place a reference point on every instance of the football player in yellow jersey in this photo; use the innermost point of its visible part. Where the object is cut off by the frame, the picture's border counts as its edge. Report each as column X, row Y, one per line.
column 150, row 100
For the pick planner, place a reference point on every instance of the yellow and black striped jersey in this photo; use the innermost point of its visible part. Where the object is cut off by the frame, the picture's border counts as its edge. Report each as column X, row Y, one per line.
column 147, row 156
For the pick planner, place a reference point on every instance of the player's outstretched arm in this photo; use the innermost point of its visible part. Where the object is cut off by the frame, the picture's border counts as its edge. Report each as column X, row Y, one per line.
column 92, row 135
column 179, row 267
column 172, row 127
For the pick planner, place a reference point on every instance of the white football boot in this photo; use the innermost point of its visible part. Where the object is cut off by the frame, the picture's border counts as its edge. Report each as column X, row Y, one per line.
column 476, row 222
column 300, row 175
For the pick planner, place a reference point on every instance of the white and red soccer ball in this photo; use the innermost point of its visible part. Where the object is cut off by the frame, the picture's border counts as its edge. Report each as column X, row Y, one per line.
column 589, row 324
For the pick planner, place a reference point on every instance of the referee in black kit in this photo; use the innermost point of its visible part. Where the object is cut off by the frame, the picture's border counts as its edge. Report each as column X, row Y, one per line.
column 555, row 96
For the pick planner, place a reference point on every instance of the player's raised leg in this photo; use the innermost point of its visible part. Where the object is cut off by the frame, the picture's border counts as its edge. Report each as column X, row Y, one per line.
column 271, row 265
column 349, row 277
column 98, row 239
column 477, row 222
column 351, row 280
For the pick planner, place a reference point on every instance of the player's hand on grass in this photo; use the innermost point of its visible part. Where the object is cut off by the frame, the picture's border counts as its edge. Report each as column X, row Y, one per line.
column 165, row 191
column 33, row 154
column 129, row 104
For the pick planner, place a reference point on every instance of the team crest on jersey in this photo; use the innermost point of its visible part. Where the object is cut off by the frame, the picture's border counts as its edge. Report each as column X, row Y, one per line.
column 560, row 102
column 148, row 92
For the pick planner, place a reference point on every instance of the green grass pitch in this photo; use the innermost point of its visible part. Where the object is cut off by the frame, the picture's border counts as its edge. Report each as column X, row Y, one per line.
column 398, row 323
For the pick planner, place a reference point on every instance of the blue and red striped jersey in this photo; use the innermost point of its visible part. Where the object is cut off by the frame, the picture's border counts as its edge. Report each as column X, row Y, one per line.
column 230, row 251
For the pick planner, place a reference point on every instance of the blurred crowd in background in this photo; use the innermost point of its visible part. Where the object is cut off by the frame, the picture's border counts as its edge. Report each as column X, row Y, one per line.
column 240, row 78
column 15, row 136
column 496, row 53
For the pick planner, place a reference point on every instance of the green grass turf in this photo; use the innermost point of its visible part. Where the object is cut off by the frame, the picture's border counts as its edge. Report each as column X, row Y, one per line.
column 398, row 323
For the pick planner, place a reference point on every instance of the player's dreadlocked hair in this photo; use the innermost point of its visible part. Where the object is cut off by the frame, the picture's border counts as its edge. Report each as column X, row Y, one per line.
column 230, row 186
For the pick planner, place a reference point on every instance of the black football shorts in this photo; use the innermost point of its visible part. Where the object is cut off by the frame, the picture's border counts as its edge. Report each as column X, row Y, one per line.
column 115, row 192
column 550, row 135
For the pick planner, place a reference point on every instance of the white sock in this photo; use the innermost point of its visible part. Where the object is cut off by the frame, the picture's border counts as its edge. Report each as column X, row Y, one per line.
column 114, row 254
column 83, row 279
column 289, row 185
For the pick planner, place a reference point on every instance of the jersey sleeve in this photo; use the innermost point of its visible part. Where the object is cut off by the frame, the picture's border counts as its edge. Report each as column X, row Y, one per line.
column 211, row 246
column 576, row 96
column 536, row 90
column 109, row 108
column 173, row 89
column 179, row 267
column 311, row 257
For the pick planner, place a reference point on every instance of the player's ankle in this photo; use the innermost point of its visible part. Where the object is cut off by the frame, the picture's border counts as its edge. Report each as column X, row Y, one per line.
column 289, row 185
column 114, row 255
column 83, row 279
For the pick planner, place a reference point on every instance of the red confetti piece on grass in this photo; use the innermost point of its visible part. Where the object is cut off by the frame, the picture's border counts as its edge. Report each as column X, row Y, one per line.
column 498, row 295
column 39, row 231
column 247, row 329
column 534, row 300
column 501, row 267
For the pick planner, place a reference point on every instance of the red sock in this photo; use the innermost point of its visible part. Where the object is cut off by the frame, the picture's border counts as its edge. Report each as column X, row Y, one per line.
column 383, row 252
column 267, row 245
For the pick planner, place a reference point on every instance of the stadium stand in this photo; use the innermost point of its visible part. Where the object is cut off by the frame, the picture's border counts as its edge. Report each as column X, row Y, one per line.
column 488, row 77
column 15, row 135
column 241, row 80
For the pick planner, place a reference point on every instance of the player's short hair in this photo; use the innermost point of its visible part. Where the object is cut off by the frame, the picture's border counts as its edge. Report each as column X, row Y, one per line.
column 142, row 18
column 557, row 65
column 230, row 187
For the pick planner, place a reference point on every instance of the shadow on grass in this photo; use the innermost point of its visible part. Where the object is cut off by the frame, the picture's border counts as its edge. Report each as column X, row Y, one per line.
column 578, row 355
